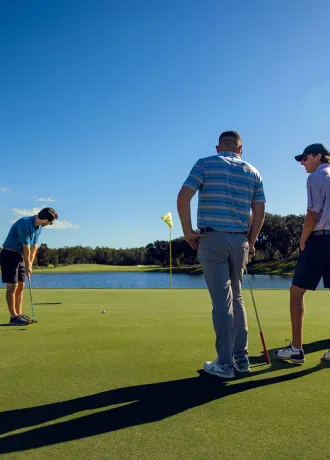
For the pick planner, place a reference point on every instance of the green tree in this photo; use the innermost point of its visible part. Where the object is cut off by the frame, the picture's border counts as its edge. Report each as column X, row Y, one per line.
column 43, row 255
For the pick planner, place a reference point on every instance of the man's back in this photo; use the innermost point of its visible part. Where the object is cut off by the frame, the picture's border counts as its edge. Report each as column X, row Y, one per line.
column 227, row 187
column 23, row 231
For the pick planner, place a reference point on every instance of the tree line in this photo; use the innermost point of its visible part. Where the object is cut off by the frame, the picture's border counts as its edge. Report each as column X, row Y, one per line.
column 278, row 239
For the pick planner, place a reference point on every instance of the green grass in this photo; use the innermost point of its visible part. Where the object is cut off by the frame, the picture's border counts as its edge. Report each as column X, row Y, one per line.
column 125, row 384
column 273, row 267
column 84, row 268
column 258, row 268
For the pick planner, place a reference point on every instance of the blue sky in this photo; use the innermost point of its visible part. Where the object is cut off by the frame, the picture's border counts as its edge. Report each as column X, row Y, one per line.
column 106, row 106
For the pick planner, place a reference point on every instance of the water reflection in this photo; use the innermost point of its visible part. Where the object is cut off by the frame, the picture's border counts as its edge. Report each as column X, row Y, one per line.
column 146, row 280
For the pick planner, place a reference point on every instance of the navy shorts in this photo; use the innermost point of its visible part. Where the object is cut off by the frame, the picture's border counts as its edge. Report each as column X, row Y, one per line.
column 12, row 267
column 313, row 263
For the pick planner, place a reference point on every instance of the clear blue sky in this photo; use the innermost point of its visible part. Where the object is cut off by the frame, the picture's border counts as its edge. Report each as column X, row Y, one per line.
column 105, row 106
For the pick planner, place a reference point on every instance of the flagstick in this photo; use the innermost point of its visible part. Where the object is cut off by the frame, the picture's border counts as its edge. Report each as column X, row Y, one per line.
column 170, row 261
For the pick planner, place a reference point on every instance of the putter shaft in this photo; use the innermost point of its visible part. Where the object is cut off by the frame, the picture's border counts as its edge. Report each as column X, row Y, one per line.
column 32, row 306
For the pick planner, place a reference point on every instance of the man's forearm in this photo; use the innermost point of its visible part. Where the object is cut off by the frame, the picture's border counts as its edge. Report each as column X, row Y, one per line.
column 27, row 254
column 183, row 205
column 255, row 227
column 33, row 253
column 257, row 219
column 185, row 217
column 309, row 224
column 256, row 223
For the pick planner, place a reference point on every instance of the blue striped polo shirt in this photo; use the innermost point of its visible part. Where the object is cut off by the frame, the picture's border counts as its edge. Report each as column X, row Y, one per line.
column 227, row 187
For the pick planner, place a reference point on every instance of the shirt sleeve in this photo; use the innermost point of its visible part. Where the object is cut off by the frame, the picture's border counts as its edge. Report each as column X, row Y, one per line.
column 259, row 195
column 36, row 237
column 23, row 234
column 315, row 194
column 196, row 177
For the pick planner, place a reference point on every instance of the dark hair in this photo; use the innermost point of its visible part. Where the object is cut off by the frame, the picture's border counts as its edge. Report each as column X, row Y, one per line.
column 323, row 159
column 230, row 136
column 48, row 213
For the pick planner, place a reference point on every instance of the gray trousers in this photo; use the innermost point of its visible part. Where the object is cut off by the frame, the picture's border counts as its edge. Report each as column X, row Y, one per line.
column 223, row 256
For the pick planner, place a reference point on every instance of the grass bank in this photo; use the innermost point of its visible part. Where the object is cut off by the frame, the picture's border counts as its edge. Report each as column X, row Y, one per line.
column 85, row 268
column 256, row 268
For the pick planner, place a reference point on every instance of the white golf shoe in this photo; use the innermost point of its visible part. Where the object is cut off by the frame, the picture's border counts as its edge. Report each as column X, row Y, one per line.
column 326, row 356
column 220, row 370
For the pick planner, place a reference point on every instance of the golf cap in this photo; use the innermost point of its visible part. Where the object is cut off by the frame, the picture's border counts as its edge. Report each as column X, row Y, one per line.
column 313, row 148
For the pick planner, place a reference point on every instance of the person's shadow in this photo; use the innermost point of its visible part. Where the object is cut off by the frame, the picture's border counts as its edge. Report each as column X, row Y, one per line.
column 142, row 404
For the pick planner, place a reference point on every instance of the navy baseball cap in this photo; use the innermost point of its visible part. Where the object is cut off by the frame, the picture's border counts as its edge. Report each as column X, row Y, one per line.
column 313, row 148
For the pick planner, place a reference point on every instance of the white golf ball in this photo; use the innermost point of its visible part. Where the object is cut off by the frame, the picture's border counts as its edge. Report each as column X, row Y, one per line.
column 103, row 311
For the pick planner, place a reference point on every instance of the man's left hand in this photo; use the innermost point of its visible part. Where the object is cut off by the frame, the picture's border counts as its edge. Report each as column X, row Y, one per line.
column 193, row 239
column 302, row 245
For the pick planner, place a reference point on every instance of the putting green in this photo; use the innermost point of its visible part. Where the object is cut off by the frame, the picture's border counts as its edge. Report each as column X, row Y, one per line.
column 125, row 384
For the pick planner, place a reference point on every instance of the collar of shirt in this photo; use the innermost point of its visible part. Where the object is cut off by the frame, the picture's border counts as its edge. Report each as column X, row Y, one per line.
column 33, row 219
column 229, row 154
column 322, row 166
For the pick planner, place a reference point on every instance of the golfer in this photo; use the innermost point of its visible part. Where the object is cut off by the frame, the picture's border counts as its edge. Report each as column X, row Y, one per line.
column 228, row 189
column 314, row 258
column 16, row 259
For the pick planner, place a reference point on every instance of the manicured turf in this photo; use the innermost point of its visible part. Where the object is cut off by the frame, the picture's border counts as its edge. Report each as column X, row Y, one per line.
column 125, row 384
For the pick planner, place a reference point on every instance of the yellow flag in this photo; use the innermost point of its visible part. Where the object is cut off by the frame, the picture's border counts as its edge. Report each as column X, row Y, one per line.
column 168, row 219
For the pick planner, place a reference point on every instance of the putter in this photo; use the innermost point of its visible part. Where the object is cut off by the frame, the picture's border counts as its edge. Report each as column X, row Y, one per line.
column 258, row 321
column 32, row 305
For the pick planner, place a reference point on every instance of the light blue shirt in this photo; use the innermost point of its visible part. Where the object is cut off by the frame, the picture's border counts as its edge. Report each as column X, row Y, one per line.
column 22, row 232
column 227, row 187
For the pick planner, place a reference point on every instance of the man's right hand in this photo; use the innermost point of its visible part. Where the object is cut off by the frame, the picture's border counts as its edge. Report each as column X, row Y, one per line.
column 28, row 270
column 193, row 239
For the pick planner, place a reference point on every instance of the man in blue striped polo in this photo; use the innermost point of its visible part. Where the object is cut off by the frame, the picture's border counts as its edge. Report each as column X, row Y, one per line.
column 229, row 188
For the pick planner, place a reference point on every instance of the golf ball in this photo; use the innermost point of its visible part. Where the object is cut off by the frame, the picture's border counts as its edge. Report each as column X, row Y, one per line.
column 103, row 311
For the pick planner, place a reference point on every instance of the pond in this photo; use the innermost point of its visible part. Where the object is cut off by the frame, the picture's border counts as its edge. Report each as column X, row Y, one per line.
column 146, row 280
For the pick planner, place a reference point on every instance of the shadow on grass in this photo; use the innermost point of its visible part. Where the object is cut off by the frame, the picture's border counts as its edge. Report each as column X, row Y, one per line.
column 142, row 404
column 13, row 328
column 47, row 303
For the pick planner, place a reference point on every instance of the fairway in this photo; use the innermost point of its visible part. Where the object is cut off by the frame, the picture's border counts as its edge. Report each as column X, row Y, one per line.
column 128, row 384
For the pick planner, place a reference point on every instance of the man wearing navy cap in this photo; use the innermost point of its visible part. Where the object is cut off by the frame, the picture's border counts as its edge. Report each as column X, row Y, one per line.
column 314, row 256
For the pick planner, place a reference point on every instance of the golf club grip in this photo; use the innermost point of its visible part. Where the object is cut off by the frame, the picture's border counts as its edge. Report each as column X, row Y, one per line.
column 264, row 347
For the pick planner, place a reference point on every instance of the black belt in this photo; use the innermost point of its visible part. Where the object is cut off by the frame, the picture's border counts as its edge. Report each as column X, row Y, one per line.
column 210, row 229
column 321, row 232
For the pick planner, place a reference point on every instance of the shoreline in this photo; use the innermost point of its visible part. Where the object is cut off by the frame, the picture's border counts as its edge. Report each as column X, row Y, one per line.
column 256, row 268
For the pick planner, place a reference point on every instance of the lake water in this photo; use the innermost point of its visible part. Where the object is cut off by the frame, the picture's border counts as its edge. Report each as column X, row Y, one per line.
column 146, row 280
